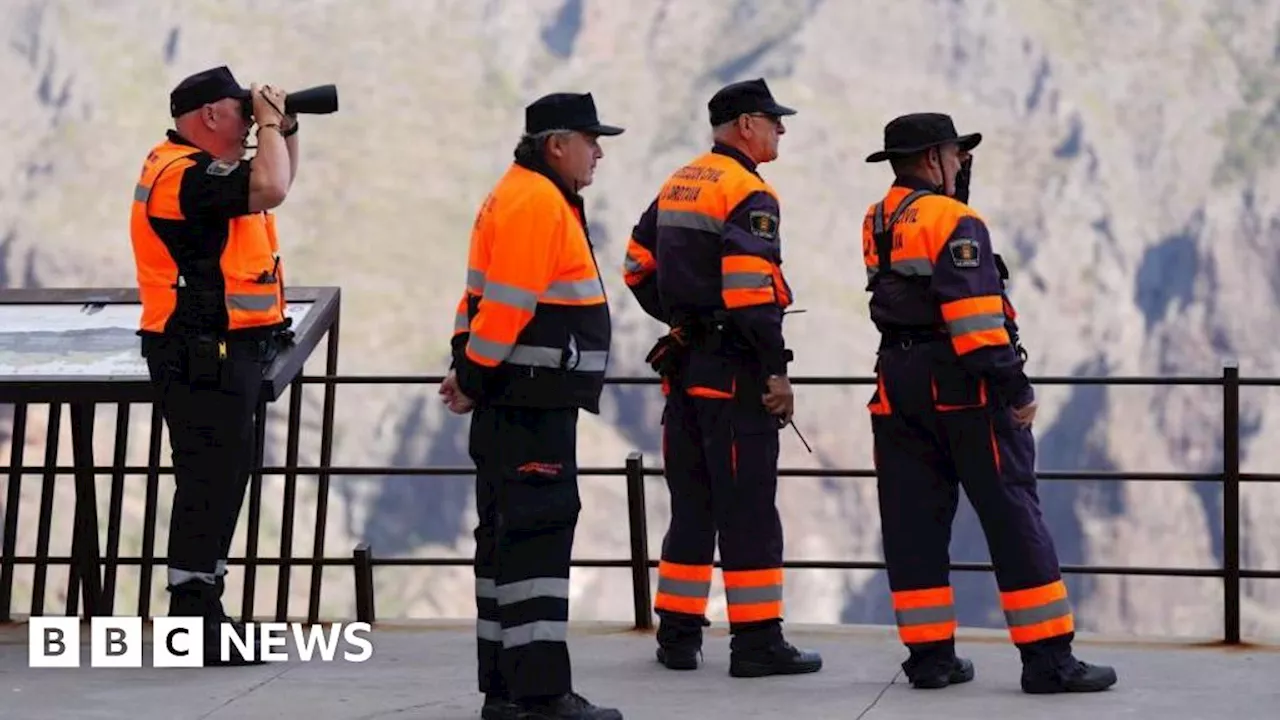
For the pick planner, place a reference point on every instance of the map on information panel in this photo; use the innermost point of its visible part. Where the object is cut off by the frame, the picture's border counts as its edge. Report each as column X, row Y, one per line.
column 72, row 340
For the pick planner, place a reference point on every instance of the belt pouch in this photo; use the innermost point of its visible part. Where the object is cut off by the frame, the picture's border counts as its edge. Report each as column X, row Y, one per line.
column 205, row 355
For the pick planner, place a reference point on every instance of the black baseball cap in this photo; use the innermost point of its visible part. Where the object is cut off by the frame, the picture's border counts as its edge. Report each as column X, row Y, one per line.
column 748, row 96
column 566, row 111
column 205, row 87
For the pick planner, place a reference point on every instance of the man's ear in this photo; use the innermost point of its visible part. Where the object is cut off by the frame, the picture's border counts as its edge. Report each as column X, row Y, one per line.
column 554, row 145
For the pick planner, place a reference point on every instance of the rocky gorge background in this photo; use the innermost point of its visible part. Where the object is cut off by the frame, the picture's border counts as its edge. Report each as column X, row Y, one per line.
column 1128, row 174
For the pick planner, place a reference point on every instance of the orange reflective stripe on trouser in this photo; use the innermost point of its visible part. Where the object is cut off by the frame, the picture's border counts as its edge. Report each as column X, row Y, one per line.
column 1038, row 613
column 746, row 280
column 683, row 588
column 753, row 595
column 925, row 616
column 976, row 322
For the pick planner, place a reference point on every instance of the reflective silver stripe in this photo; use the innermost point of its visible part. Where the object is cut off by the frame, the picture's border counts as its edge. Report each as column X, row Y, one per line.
column 485, row 588
column 536, row 356
column 489, row 630
column 746, row 281
column 252, row 303
column 916, row 267
column 632, row 265
column 177, row 577
column 751, row 595
column 489, row 349
column 461, row 322
column 522, row 590
column 539, row 631
column 475, row 281
column 593, row 361
column 690, row 220
column 511, row 295
column 574, row 290
column 141, row 193
column 684, row 588
column 1032, row 616
column 974, row 323
column 925, row 615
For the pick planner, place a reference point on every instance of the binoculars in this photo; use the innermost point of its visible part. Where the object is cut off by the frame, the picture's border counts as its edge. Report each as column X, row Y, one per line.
column 318, row 100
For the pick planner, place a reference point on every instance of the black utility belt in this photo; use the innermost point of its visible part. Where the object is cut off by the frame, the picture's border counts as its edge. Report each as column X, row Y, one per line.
column 906, row 337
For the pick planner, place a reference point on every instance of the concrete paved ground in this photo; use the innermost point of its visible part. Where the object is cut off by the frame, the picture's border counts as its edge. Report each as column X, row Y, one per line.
column 426, row 671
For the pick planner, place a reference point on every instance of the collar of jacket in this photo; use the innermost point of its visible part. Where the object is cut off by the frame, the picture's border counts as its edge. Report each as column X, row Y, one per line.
column 177, row 139
column 736, row 154
column 541, row 167
column 912, row 182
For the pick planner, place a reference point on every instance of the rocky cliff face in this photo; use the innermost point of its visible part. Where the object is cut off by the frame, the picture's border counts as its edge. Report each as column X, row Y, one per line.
column 1128, row 174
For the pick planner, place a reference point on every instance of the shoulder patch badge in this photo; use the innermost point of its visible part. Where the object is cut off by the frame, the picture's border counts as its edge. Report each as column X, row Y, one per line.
column 222, row 168
column 763, row 224
column 964, row 252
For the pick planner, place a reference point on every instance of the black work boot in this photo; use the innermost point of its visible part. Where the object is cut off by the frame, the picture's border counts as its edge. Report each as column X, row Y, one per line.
column 763, row 651
column 1052, row 668
column 569, row 706
column 497, row 707
column 935, row 665
column 959, row 671
column 1066, row 675
column 197, row 598
column 680, row 641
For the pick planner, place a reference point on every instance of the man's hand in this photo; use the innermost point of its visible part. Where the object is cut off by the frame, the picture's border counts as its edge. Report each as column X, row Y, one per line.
column 452, row 396
column 780, row 400
column 1023, row 416
column 268, row 105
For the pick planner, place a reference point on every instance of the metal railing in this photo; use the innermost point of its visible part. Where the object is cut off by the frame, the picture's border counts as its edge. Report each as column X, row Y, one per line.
column 362, row 559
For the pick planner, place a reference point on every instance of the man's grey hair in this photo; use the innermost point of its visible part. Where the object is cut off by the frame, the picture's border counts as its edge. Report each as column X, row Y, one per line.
column 530, row 145
column 721, row 131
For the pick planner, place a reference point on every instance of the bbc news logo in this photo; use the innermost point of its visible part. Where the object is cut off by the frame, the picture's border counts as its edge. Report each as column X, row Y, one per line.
column 177, row 642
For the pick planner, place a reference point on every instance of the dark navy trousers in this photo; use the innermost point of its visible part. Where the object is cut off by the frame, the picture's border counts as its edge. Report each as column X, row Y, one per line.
column 528, row 505
column 720, row 454
column 937, row 428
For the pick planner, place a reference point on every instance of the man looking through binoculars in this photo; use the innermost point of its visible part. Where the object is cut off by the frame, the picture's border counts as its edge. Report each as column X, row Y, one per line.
column 213, row 310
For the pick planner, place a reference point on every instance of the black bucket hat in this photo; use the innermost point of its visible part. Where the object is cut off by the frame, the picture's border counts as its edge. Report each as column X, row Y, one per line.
column 910, row 134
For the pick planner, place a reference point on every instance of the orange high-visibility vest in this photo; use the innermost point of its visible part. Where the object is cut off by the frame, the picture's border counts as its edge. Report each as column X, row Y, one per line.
column 249, row 277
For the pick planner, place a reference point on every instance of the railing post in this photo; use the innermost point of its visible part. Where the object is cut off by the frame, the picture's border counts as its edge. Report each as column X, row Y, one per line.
column 639, row 540
column 363, row 557
column 1231, row 502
